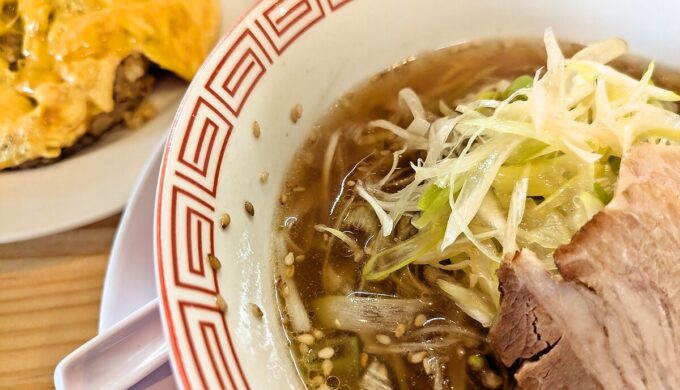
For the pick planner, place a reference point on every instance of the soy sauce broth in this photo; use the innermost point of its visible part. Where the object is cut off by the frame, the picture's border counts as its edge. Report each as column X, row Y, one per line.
column 320, row 190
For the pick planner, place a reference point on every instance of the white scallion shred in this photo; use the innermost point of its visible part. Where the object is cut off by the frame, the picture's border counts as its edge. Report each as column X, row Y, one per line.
column 352, row 244
column 386, row 222
column 395, row 160
column 515, row 214
column 525, row 164
column 469, row 302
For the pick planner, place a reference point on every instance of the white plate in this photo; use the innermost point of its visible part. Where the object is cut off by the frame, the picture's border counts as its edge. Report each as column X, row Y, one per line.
column 130, row 281
column 96, row 182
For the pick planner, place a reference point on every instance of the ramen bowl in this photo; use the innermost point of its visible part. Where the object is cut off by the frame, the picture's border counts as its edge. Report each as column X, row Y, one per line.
column 288, row 59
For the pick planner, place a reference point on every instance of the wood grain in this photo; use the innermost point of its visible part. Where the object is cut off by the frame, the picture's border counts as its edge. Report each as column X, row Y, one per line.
column 50, row 290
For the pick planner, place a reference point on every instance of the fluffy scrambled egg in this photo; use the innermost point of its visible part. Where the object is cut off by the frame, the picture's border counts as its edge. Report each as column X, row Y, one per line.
column 58, row 62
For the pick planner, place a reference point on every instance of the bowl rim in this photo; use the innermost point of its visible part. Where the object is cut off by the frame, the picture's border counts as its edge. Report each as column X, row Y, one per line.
column 222, row 50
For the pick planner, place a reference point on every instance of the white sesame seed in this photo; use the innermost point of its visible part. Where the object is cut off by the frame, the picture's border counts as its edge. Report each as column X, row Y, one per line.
column 214, row 262
column 221, row 303
column 250, row 209
column 400, row 330
column 327, row 367
column 383, row 339
column 351, row 183
column 303, row 348
column 264, row 176
column 326, row 353
column 317, row 381
column 363, row 359
column 290, row 259
column 318, row 334
column 420, row 320
column 416, row 357
column 306, row 338
column 255, row 311
column 256, row 129
column 296, row 113
column 225, row 220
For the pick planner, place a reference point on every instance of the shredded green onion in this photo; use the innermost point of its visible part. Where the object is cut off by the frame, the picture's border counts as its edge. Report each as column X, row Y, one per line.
column 525, row 165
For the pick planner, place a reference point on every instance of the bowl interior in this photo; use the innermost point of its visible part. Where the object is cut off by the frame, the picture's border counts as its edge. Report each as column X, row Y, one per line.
column 306, row 52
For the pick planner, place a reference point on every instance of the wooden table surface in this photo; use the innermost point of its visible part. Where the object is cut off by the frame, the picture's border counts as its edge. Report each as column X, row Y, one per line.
column 50, row 291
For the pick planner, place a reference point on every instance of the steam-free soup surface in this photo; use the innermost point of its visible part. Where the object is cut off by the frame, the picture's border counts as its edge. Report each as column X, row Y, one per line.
column 400, row 332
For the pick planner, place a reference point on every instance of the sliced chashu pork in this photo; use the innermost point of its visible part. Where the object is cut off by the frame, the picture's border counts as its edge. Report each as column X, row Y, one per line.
column 523, row 328
column 613, row 322
column 650, row 163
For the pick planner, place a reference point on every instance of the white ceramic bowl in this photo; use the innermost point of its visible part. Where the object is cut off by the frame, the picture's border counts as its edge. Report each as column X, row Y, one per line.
column 309, row 52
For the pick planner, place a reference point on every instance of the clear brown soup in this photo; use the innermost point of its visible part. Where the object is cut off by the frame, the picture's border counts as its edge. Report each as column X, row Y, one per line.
column 314, row 195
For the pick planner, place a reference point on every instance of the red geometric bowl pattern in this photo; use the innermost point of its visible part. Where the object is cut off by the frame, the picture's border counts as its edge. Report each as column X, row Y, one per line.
column 186, row 204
